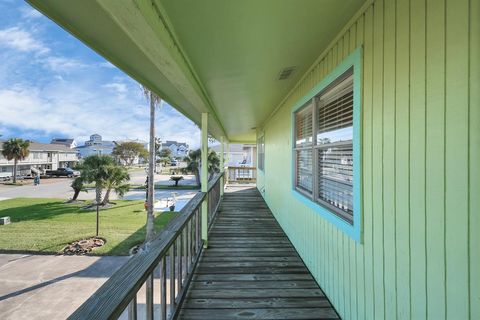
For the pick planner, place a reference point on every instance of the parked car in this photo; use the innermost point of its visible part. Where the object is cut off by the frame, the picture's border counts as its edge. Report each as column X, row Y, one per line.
column 10, row 177
column 4, row 176
column 63, row 172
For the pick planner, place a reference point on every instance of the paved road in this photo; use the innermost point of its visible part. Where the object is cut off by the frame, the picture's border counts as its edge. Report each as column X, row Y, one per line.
column 60, row 188
column 50, row 287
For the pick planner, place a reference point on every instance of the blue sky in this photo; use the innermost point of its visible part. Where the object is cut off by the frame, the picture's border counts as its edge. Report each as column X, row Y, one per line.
column 52, row 85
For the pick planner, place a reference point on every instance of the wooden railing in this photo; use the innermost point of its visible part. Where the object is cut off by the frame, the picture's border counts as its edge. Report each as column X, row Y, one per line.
column 214, row 197
column 241, row 175
column 171, row 258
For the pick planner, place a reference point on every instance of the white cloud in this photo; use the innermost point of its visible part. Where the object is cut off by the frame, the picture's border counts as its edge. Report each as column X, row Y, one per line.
column 76, row 112
column 116, row 86
column 29, row 13
column 59, row 89
column 21, row 40
column 61, row 64
column 106, row 64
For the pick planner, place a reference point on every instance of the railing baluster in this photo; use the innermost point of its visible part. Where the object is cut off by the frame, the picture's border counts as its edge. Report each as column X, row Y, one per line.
column 180, row 253
column 172, row 277
column 132, row 309
column 189, row 252
column 163, row 289
column 185, row 253
column 199, row 225
column 149, row 296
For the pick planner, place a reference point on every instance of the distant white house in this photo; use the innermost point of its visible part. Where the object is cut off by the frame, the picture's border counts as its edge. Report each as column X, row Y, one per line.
column 68, row 142
column 95, row 146
column 240, row 154
column 178, row 149
column 42, row 157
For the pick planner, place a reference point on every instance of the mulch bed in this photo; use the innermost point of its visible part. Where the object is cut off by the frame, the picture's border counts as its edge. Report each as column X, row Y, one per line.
column 84, row 246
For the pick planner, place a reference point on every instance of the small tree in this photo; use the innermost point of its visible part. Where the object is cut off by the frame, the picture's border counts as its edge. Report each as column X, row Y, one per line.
column 213, row 164
column 96, row 169
column 165, row 153
column 117, row 176
column 15, row 149
column 77, row 186
column 194, row 163
column 129, row 151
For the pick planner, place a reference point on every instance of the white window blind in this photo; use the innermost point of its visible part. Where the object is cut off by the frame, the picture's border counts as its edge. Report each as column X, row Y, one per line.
column 261, row 153
column 303, row 149
column 324, row 165
column 304, row 126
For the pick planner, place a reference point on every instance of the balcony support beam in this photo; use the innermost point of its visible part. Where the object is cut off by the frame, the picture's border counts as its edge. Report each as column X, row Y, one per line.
column 222, row 165
column 204, row 178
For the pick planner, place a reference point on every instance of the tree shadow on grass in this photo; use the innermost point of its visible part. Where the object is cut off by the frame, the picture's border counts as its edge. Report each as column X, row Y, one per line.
column 49, row 209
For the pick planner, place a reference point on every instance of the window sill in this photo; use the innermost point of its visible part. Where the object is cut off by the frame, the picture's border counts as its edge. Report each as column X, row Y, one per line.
column 352, row 230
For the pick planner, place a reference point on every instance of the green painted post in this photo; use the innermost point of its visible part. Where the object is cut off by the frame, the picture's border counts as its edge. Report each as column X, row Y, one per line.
column 222, row 166
column 204, row 178
column 227, row 151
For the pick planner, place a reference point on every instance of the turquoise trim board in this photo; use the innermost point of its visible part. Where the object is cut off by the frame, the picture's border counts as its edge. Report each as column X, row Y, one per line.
column 355, row 231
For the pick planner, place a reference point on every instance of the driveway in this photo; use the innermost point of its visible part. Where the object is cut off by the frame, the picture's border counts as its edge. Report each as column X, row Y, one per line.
column 50, row 287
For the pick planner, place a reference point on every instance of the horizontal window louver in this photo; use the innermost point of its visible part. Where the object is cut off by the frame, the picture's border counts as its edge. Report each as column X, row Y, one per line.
column 304, row 127
column 261, row 153
column 335, row 148
column 335, row 114
column 335, row 178
column 304, row 174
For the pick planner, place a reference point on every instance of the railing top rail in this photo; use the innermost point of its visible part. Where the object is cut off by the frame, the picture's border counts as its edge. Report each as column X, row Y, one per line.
column 237, row 167
column 212, row 182
column 109, row 301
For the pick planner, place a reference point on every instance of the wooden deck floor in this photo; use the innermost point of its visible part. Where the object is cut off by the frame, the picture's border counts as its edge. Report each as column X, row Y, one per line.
column 251, row 270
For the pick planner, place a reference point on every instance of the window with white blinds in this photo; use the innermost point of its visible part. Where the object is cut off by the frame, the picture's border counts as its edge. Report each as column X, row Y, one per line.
column 261, row 153
column 324, row 148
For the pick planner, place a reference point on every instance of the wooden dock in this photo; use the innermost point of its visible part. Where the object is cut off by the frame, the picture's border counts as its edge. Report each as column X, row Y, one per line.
column 250, row 269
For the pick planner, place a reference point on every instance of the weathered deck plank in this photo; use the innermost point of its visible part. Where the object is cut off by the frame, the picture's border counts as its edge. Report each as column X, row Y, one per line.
column 251, row 270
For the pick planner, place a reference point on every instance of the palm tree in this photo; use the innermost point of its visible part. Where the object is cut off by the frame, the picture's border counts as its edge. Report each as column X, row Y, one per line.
column 117, row 178
column 153, row 100
column 95, row 169
column 193, row 163
column 213, row 164
column 77, row 186
column 16, row 149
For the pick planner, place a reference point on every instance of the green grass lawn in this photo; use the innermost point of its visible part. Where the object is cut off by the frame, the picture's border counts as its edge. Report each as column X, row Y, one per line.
column 47, row 225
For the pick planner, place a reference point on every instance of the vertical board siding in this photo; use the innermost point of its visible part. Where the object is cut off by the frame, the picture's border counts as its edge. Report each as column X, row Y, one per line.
column 419, row 256
column 435, row 169
column 474, row 159
column 418, row 290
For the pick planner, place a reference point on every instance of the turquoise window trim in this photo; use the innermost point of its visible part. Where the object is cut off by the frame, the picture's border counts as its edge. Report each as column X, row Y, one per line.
column 355, row 231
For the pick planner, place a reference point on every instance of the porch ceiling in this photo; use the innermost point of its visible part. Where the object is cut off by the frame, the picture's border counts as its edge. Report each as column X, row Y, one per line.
column 216, row 56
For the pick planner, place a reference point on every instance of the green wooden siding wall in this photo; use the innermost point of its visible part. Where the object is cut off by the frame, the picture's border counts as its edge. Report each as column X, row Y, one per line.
column 420, row 256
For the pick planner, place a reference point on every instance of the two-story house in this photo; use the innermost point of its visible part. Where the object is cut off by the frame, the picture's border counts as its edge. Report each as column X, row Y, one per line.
column 178, row 149
column 42, row 157
column 96, row 145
